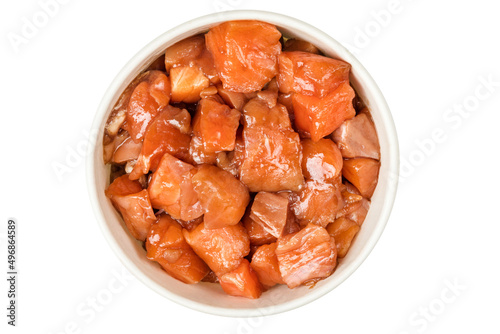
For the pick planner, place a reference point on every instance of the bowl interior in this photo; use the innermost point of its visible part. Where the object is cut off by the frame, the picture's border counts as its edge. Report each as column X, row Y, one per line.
column 208, row 297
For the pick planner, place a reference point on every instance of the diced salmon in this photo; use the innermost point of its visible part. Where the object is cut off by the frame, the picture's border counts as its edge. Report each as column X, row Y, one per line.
column 258, row 113
column 216, row 125
column 222, row 249
column 223, row 197
column 165, row 244
column 351, row 198
column 118, row 116
column 343, row 230
column 231, row 161
column 272, row 159
column 256, row 232
column 187, row 83
column 235, row 100
column 198, row 154
column 171, row 189
column 363, row 174
column 294, row 44
column 322, row 160
column 317, row 117
column 245, row 53
column 357, row 138
column 128, row 150
column 209, row 92
column 122, row 186
column 168, row 133
column 266, row 266
column 271, row 211
column 136, row 211
column 317, row 203
column 193, row 53
column 308, row 254
column 149, row 97
column 184, row 52
column 309, row 74
column 359, row 214
column 241, row 282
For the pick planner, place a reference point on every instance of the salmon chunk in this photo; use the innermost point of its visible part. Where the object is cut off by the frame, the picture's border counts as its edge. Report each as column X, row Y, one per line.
column 223, row 197
column 245, row 53
column 363, row 174
column 271, row 211
column 317, row 203
column 343, row 230
column 187, row 83
column 241, row 282
column 318, row 117
column 357, row 138
column 308, row 254
column 222, row 249
column 171, row 189
column 272, row 160
column 322, row 160
column 216, row 125
column 266, row 266
column 168, row 133
column 311, row 74
column 165, row 244
column 149, row 97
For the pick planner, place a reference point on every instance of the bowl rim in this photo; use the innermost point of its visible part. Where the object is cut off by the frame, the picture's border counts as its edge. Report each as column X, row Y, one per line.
column 277, row 19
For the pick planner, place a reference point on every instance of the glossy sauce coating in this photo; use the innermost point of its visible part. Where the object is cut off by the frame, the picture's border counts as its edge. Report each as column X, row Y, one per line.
column 243, row 158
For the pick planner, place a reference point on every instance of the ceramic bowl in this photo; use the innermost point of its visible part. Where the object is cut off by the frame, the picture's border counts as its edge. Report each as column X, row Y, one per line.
column 207, row 297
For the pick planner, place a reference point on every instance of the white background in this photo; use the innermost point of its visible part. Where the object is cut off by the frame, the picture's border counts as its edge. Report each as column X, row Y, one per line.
column 428, row 57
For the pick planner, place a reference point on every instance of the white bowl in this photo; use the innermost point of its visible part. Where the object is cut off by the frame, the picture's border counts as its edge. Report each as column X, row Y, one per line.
column 208, row 297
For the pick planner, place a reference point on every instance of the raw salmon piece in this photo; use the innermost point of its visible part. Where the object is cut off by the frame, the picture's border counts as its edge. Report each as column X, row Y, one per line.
column 169, row 133
column 241, row 282
column 322, row 160
column 222, row 249
column 317, row 203
column 233, row 99
column 359, row 214
column 305, row 255
column 171, row 189
column 231, row 161
column 193, row 53
column 258, row 113
column 122, row 186
column 272, row 159
column 216, row 125
column 363, row 174
column 271, row 211
column 309, row 74
column 149, row 97
column 165, row 244
column 245, row 53
column 198, row 154
column 294, row 44
column 266, row 266
column 187, row 83
column 357, row 138
column 184, row 52
column 343, row 230
column 317, row 117
column 128, row 150
column 256, row 232
column 223, row 197
column 136, row 211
